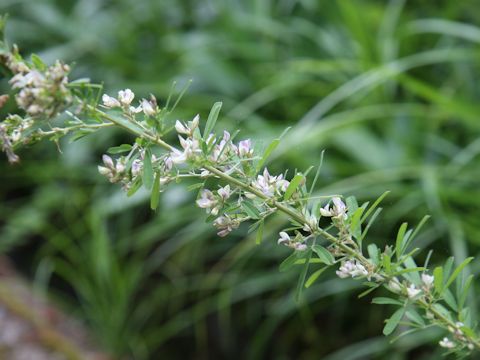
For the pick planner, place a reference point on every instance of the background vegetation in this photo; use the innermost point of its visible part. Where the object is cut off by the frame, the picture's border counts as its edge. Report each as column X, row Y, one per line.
column 388, row 89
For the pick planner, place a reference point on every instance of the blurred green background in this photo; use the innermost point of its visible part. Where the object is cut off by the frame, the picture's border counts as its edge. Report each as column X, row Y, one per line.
column 388, row 88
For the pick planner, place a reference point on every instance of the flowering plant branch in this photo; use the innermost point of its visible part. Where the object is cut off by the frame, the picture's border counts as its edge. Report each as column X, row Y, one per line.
column 245, row 190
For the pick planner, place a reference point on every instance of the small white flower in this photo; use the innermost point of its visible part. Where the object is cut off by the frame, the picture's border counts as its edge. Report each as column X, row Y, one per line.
column 394, row 286
column 225, row 225
column 206, row 200
column 108, row 161
column 351, row 268
column 147, row 107
column 135, row 110
column 300, row 246
column 224, row 192
column 338, row 209
column 126, row 96
column 412, row 291
column 178, row 157
column 284, row 238
column 447, row 343
column 245, row 148
column 194, row 123
column 104, row 171
column 109, row 101
column 181, row 128
column 427, row 280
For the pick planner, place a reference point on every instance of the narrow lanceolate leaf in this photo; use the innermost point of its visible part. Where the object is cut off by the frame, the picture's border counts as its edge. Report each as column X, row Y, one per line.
column 303, row 276
column 268, row 151
column 312, row 278
column 386, row 301
column 438, row 279
column 259, row 236
column 355, row 224
column 373, row 252
column 457, row 271
column 147, row 170
column 393, row 322
column 250, row 209
column 294, row 184
column 374, row 206
column 212, row 119
column 464, row 294
column 400, row 240
column 155, row 196
column 120, row 149
column 325, row 256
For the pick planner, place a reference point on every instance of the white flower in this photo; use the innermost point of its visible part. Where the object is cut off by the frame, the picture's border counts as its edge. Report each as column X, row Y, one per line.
column 224, row 192
column 148, row 108
column 337, row 210
column 412, row 291
column 107, row 160
column 447, row 343
column 126, row 96
column 137, row 167
column 284, row 238
column 351, row 268
column 207, row 200
column 187, row 129
column 427, row 280
column 177, row 157
column 394, row 285
column 181, row 128
column 225, row 225
column 109, row 101
column 300, row 246
column 135, row 110
column 245, row 148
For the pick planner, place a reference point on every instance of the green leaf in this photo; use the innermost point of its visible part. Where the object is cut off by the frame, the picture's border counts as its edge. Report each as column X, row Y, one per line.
column 457, row 271
column 450, row 300
column 120, row 149
column 317, row 174
column 259, row 236
column 355, row 224
column 134, row 188
column 272, row 146
column 352, row 204
column 409, row 270
column 250, row 209
column 212, row 119
column 464, row 294
column 393, row 322
column 370, row 222
column 288, row 262
column 387, row 263
column 147, row 169
column 373, row 253
column 294, row 183
column 155, row 197
column 438, row 279
column 400, row 240
column 38, row 62
column 415, row 317
column 303, row 276
column 312, row 278
column 374, row 206
column 324, row 255
column 386, row 301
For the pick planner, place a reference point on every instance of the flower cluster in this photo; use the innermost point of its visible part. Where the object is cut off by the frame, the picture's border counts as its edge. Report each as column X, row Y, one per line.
column 41, row 92
column 297, row 244
column 12, row 132
column 351, row 268
column 270, row 185
column 124, row 100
